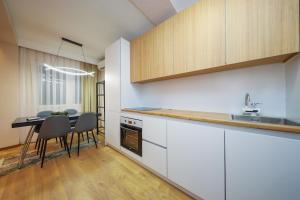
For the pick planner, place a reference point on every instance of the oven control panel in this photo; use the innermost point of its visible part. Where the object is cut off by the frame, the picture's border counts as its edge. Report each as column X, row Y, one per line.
column 132, row 122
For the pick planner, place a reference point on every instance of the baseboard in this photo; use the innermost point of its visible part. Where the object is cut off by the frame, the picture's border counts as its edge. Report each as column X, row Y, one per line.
column 10, row 147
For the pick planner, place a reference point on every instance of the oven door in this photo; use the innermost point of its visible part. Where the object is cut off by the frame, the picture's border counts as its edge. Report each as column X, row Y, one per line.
column 131, row 138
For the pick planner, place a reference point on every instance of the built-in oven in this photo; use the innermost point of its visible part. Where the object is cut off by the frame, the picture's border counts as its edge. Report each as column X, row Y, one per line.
column 131, row 134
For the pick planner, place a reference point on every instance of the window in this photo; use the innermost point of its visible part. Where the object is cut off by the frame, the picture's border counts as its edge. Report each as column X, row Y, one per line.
column 59, row 89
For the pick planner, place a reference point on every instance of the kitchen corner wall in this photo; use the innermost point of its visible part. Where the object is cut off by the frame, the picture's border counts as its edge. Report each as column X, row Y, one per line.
column 222, row 91
column 9, row 87
column 293, row 89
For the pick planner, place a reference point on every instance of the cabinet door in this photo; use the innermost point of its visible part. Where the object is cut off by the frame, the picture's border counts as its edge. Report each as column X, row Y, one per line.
column 199, row 36
column 147, row 54
column 135, row 60
column 112, row 128
column 155, row 130
column 196, row 158
column 262, row 165
column 155, row 157
column 163, row 49
column 112, row 77
column 261, row 28
column 183, row 41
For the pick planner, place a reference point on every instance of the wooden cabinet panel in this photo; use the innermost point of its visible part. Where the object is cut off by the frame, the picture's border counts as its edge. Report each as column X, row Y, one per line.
column 199, row 36
column 163, row 49
column 183, row 41
column 135, row 60
column 209, row 39
column 216, row 35
column 261, row 28
column 147, row 54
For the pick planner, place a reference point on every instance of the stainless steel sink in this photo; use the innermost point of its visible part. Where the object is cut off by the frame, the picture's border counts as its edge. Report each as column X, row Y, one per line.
column 269, row 120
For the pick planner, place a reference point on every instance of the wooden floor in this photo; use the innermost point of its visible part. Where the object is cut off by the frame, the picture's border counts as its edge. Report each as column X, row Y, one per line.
column 101, row 173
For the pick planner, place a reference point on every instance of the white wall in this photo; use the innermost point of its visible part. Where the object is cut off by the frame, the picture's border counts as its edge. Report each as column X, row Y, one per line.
column 222, row 91
column 9, row 87
column 293, row 89
column 130, row 93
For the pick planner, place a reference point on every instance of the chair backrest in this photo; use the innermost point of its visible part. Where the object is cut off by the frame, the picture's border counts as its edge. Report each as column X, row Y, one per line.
column 71, row 111
column 55, row 126
column 44, row 114
column 86, row 122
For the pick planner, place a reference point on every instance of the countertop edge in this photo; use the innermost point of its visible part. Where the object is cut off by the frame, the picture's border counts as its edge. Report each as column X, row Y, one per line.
column 264, row 126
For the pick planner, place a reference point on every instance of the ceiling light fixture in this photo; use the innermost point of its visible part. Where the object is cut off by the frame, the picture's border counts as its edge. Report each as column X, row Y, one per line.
column 69, row 70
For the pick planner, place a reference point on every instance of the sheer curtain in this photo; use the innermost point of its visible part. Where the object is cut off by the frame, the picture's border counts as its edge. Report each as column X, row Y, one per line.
column 42, row 89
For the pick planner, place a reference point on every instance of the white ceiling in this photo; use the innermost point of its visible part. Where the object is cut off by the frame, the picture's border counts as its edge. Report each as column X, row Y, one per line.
column 155, row 10
column 39, row 24
column 180, row 5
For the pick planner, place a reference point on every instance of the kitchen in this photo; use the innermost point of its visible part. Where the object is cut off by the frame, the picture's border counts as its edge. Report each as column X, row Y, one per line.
column 203, row 104
column 205, row 111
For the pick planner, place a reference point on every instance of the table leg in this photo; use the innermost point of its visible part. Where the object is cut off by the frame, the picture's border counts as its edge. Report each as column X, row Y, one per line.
column 26, row 146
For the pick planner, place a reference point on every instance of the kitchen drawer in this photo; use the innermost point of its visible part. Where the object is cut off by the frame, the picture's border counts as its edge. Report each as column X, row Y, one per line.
column 155, row 157
column 155, row 130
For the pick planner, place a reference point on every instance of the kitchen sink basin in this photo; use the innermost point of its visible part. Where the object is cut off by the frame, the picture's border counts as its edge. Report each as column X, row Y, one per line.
column 261, row 119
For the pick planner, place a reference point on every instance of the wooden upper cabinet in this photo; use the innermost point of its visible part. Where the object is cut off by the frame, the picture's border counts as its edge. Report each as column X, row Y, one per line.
column 142, row 58
column 147, row 54
column 163, row 44
column 215, row 35
column 135, row 60
column 199, row 36
column 259, row 29
column 183, row 41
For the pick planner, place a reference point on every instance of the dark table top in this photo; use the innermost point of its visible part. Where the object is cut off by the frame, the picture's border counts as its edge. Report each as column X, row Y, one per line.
column 22, row 121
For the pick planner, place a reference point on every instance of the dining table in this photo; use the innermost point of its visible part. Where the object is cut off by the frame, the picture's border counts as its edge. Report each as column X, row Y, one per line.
column 32, row 122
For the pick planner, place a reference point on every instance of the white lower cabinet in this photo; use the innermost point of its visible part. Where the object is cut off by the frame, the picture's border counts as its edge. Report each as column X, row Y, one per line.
column 155, row 157
column 196, row 158
column 112, row 128
column 155, row 130
column 262, row 165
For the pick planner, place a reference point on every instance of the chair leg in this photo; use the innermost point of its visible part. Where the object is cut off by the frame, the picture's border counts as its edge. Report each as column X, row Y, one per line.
column 71, row 140
column 60, row 142
column 39, row 146
column 56, row 140
column 44, row 152
column 82, row 136
column 94, row 139
column 42, row 147
column 66, row 145
column 78, row 144
column 63, row 142
column 36, row 143
column 87, row 136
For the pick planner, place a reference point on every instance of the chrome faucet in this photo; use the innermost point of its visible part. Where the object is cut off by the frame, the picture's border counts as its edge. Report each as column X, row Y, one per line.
column 247, row 100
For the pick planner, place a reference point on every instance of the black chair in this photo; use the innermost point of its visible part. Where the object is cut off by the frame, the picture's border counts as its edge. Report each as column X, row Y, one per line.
column 72, row 112
column 54, row 127
column 42, row 114
column 87, row 122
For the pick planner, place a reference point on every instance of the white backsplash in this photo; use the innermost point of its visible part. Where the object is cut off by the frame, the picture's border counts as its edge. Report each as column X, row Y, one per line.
column 293, row 89
column 222, row 91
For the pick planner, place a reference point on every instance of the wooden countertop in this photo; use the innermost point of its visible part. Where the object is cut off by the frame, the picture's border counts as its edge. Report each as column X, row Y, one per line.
column 217, row 118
